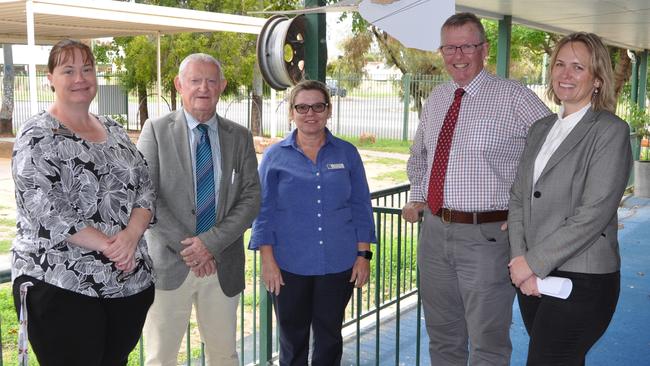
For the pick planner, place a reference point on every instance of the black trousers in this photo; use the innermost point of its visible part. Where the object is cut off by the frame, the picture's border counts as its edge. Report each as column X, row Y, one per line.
column 69, row 329
column 562, row 331
column 316, row 302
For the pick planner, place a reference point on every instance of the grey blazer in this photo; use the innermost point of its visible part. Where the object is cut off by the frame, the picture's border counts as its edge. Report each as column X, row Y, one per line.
column 567, row 220
column 164, row 143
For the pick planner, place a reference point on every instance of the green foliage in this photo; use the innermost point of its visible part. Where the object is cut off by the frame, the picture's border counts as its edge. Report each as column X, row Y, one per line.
column 236, row 51
column 639, row 121
column 5, row 246
column 527, row 49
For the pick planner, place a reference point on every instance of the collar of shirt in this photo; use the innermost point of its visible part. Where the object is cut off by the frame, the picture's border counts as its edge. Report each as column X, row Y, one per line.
column 475, row 85
column 193, row 123
column 574, row 117
column 290, row 141
column 556, row 135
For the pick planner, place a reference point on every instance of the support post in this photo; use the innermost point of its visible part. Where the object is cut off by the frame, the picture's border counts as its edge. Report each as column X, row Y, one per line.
column 634, row 81
column 266, row 326
column 406, row 90
column 31, row 42
column 503, row 46
column 315, row 43
column 643, row 79
column 158, row 76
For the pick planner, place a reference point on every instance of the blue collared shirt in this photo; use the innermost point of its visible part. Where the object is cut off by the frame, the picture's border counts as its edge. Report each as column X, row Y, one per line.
column 313, row 214
column 194, row 135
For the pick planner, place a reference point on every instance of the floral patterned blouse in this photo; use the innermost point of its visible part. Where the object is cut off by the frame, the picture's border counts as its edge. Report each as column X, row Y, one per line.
column 64, row 184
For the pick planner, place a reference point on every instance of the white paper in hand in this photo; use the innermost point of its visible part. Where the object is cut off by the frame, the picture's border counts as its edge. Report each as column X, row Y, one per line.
column 555, row 286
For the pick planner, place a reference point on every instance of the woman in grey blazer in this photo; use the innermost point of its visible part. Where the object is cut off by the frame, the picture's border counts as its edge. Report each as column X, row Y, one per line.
column 562, row 220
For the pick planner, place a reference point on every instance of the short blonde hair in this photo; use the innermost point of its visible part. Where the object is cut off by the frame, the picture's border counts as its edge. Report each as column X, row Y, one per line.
column 600, row 65
column 309, row 85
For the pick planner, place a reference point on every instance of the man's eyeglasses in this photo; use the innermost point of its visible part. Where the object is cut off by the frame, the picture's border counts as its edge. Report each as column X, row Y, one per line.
column 466, row 49
column 316, row 107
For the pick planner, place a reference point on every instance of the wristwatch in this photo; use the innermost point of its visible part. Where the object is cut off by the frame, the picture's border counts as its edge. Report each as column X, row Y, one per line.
column 365, row 253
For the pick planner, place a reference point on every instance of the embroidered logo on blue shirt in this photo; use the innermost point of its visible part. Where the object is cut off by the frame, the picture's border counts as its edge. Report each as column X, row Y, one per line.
column 336, row 166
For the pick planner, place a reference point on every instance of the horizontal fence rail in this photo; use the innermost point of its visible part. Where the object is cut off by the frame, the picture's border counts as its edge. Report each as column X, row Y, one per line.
column 387, row 107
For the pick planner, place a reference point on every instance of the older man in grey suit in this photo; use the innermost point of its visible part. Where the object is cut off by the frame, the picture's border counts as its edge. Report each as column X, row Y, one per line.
column 204, row 170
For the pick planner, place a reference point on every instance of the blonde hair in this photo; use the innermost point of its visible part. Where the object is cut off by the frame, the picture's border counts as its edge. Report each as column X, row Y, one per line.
column 309, row 85
column 600, row 66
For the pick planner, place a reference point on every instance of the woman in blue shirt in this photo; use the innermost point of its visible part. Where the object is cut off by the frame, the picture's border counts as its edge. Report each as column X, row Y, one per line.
column 314, row 229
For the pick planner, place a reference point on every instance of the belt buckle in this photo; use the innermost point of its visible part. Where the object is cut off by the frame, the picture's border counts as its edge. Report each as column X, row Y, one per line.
column 445, row 218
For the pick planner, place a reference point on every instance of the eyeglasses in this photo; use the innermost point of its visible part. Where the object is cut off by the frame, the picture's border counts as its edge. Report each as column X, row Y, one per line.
column 466, row 49
column 316, row 107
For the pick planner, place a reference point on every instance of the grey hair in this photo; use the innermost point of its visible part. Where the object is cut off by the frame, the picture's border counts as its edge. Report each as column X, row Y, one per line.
column 200, row 57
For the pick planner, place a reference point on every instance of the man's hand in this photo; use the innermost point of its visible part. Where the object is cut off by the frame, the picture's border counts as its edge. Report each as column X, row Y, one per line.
column 411, row 211
column 196, row 254
column 519, row 270
column 207, row 269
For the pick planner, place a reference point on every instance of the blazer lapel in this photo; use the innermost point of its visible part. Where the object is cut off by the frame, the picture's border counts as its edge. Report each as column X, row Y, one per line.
column 180, row 143
column 575, row 136
column 226, row 145
column 536, row 139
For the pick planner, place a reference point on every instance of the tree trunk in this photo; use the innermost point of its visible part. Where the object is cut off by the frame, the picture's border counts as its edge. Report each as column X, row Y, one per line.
column 622, row 71
column 173, row 98
column 7, row 110
column 143, row 109
column 256, row 105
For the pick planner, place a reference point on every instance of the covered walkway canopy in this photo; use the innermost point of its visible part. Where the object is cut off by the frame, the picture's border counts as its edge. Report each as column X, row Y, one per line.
column 620, row 23
column 42, row 22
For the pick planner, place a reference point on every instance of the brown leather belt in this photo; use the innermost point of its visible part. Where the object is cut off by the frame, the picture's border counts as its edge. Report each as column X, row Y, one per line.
column 460, row 217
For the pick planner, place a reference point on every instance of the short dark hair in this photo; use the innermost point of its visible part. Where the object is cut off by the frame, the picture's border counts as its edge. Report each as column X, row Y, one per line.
column 460, row 19
column 64, row 49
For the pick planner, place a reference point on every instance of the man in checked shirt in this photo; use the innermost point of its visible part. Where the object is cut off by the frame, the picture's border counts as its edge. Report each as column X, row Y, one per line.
column 462, row 164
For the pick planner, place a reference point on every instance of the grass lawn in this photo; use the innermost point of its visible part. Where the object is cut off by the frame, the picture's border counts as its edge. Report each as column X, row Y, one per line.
column 384, row 145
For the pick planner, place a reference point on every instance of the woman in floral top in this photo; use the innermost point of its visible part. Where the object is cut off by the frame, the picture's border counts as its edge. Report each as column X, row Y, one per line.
column 84, row 199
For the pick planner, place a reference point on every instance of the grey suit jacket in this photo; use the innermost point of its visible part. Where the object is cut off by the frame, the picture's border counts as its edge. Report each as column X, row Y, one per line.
column 164, row 143
column 567, row 220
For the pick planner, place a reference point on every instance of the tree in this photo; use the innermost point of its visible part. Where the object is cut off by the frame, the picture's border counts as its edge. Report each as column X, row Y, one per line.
column 236, row 51
column 6, row 113
column 139, row 65
column 407, row 60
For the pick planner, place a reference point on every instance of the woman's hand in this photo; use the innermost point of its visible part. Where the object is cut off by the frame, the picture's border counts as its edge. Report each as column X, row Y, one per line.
column 519, row 270
column 121, row 249
column 271, row 274
column 529, row 287
column 360, row 272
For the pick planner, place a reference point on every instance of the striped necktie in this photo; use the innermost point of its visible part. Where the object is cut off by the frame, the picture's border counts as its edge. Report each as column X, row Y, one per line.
column 205, row 197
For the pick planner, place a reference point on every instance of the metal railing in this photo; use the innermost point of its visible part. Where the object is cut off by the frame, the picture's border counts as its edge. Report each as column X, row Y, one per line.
column 393, row 287
column 386, row 107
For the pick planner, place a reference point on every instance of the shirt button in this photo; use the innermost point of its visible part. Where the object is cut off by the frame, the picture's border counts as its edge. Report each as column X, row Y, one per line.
column 317, row 201
column 317, row 174
column 320, row 242
column 318, row 215
column 320, row 229
column 317, row 187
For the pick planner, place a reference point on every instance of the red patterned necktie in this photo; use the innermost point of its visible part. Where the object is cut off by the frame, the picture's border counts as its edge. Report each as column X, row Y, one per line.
column 441, row 158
